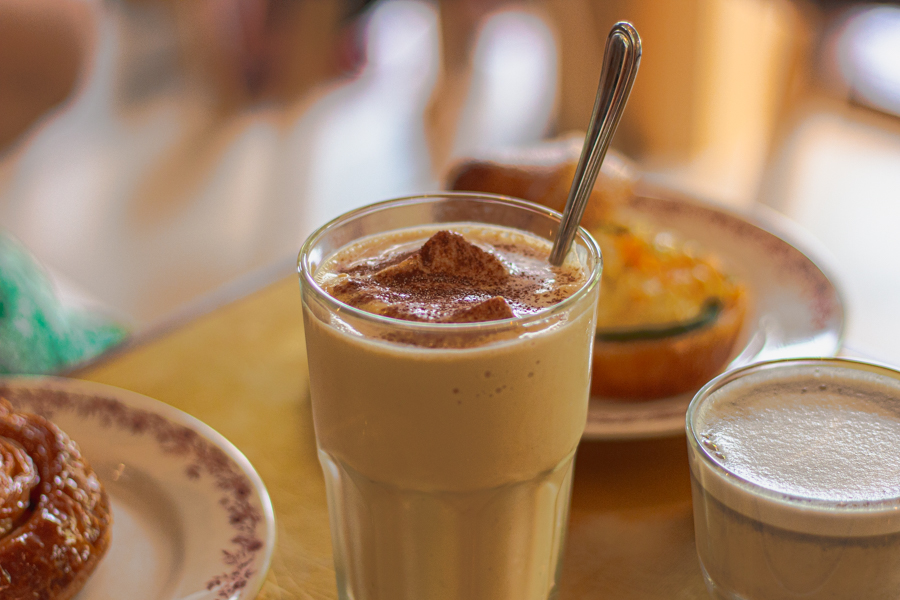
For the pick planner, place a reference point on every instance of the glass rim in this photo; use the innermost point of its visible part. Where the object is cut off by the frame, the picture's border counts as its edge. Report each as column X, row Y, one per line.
column 734, row 479
column 582, row 235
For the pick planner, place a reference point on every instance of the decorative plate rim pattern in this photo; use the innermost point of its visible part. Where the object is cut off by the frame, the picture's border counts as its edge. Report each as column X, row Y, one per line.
column 177, row 434
column 619, row 420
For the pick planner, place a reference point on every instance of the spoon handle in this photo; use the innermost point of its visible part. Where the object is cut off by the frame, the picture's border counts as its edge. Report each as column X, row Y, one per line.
column 620, row 65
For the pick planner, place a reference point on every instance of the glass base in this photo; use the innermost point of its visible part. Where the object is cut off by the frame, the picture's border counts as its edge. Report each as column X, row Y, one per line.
column 503, row 543
column 715, row 592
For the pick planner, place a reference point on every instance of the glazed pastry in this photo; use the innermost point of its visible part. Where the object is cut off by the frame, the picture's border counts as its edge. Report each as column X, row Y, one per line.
column 55, row 520
column 544, row 173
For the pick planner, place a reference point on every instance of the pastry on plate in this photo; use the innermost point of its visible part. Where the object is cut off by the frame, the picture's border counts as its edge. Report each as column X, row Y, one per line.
column 55, row 521
column 669, row 314
column 543, row 174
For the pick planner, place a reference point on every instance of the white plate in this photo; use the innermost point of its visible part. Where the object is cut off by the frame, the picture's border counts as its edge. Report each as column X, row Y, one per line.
column 191, row 518
column 796, row 311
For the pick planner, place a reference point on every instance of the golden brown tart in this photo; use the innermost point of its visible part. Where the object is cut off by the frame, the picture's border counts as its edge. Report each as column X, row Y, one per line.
column 667, row 319
column 55, row 521
column 668, row 315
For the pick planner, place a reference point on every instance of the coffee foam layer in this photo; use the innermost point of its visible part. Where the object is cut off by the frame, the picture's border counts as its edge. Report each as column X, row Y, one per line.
column 830, row 435
column 821, row 462
column 465, row 273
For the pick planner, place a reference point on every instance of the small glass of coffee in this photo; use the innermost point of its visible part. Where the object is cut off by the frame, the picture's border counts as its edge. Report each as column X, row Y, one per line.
column 795, row 469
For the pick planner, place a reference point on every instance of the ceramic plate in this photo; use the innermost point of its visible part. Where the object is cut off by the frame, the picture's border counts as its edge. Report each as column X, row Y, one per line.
column 796, row 311
column 191, row 518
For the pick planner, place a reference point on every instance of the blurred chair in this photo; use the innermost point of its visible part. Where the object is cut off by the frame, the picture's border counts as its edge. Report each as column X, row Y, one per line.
column 713, row 80
column 498, row 83
column 43, row 45
column 366, row 139
column 512, row 93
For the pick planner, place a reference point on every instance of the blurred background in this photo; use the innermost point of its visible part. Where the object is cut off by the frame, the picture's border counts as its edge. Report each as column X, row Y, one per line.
column 155, row 154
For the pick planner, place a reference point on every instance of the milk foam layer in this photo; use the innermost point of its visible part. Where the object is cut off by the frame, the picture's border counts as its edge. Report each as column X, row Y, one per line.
column 831, row 436
column 459, row 275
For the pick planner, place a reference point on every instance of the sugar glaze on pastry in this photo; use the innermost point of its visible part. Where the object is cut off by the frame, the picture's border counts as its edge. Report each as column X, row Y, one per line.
column 55, row 520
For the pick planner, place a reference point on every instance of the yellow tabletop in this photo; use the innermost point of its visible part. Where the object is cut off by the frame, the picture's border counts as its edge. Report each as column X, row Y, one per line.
column 242, row 369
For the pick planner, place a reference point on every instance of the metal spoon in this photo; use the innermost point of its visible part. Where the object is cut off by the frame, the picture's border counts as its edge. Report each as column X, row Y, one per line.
column 620, row 64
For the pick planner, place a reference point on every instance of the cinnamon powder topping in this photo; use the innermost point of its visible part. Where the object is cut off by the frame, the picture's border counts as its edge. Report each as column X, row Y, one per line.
column 488, row 274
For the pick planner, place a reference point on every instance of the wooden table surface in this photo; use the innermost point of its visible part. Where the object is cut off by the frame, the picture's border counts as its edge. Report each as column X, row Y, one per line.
column 242, row 369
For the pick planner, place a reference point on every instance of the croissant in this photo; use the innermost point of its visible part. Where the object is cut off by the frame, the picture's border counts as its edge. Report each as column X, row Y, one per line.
column 55, row 521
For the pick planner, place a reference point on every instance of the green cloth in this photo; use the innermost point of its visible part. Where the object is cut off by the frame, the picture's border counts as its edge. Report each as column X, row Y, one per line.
column 39, row 335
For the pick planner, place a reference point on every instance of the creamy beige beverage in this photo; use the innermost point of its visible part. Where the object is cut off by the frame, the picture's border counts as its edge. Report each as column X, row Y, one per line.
column 447, row 432
column 796, row 482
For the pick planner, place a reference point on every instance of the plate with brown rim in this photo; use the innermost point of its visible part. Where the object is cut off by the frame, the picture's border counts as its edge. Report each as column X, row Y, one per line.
column 191, row 518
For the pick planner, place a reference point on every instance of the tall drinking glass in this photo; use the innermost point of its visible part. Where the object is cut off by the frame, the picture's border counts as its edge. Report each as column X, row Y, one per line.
column 447, row 448
column 795, row 469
